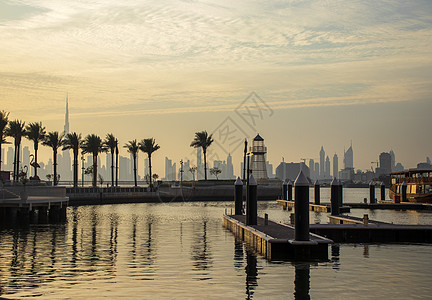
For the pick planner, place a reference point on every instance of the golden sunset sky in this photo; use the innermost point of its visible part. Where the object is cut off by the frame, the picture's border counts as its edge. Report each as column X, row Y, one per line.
column 326, row 73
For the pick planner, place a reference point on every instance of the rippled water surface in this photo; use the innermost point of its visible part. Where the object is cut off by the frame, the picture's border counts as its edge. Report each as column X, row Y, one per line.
column 181, row 250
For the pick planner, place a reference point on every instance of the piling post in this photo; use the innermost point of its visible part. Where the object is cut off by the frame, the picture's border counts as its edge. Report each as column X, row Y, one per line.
column 290, row 185
column 317, row 193
column 340, row 193
column 284, row 190
column 382, row 186
column 371, row 192
column 404, row 192
column 334, row 197
column 301, row 206
column 252, row 204
column 238, row 196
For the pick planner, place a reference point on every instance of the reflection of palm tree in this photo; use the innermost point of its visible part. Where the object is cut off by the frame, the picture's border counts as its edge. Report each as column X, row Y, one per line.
column 251, row 273
column 54, row 140
column 93, row 144
column 133, row 147
column 73, row 141
column 16, row 129
column 149, row 146
column 201, row 252
column 203, row 140
column 35, row 132
column 3, row 123
column 110, row 143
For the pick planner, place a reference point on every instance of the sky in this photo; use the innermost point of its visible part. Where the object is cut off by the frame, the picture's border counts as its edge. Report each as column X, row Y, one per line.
column 303, row 74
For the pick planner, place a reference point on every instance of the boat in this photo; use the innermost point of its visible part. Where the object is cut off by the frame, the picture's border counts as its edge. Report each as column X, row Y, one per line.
column 418, row 182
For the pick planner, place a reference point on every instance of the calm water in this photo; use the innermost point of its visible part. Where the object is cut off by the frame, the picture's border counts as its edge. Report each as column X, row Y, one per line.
column 181, row 250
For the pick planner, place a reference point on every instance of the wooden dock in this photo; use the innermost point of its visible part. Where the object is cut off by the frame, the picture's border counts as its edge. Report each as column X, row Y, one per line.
column 313, row 207
column 275, row 240
column 392, row 206
column 374, row 233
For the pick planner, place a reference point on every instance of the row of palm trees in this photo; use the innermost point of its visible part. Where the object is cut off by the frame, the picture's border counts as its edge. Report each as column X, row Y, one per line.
column 91, row 144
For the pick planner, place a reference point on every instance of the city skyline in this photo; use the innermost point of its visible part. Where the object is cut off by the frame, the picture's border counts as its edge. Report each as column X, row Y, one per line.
column 172, row 68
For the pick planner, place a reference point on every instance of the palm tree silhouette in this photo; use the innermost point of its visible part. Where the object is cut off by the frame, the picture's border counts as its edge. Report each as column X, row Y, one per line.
column 149, row 146
column 133, row 147
column 55, row 140
column 16, row 129
column 110, row 143
column 93, row 144
column 4, row 119
column 203, row 140
column 35, row 132
column 73, row 141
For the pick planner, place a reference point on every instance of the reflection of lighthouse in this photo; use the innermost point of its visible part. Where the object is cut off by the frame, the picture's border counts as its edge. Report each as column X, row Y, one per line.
column 258, row 163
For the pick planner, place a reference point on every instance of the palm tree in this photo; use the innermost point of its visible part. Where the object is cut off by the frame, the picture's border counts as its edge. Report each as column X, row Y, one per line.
column 16, row 129
column 132, row 148
column 4, row 119
column 73, row 141
column 55, row 140
column 93, row 144
column 35, row 132
column 149, row 146
column 203, row 140
column 110, row 143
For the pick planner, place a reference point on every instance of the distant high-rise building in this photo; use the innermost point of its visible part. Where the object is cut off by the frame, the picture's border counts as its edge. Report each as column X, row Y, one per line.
column 146, row 166
column 327, row 167
column 124, row 168
column 3, row 159
column 335, row 166
column 349, row 158
column 428, row 161
column 258, row 162
column 10, row 156
column 230, row 167
column 393, row 160
column 26, row 158
column 170, row 170
column 64, row 162
column 322, row 163
column 316, row 170
column 312, row 169
column 385, row 162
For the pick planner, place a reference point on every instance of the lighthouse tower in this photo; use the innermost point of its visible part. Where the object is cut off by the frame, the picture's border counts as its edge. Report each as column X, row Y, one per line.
column 258, row 163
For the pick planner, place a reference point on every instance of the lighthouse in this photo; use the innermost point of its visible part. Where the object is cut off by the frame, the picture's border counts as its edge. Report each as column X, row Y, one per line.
column 258, row 163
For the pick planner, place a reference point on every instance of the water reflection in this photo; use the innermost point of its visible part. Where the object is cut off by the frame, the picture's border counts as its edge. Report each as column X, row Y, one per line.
column 302, row 281
column 366, row 251
column 335, row 253
column 251, row 273
column 238, row 254
column 201, row 251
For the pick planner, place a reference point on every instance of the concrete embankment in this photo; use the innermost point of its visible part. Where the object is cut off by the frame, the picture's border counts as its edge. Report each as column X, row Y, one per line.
column 91, row 196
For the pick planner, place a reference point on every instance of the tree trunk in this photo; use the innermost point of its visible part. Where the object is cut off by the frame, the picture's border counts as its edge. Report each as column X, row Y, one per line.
column 150, row 173
column 112, row 167
column 55, row 166
column 14, row 163
column 94, row 170
column 75, row 168
column 205, row 164
column 135, row 171
column 116, row 171
column 35, row 161
column 0, row 155
column 18, row 161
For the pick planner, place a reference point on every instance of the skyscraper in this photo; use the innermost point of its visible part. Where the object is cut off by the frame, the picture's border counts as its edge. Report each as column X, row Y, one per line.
column 393, row 160
column 327, row 167
column 311, row 168
column 335, row 166
column 322, row 163
column 230, row 167
column 349, row 158
column 64, row 161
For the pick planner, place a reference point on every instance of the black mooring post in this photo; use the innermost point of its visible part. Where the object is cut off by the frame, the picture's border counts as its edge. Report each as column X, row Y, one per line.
column 284, row 190
column 238, row 196
column 317, row 193
column 301, row 206
column 252, row 204
column 334, row 197
column 404, row 192
column 382, row 186
column 290, row 185
column 340, row 194
column 371, row 192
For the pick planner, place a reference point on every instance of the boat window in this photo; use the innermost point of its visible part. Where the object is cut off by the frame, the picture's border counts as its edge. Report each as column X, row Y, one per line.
column 419, row 189
column 413, row 189
column 428, row 188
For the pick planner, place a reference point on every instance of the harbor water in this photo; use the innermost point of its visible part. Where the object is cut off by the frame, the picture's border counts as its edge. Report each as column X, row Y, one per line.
column 181, row 250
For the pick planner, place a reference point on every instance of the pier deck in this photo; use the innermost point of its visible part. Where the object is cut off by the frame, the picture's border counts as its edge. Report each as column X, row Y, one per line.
column 325, row 207
column 376, row 233
column 276, row 240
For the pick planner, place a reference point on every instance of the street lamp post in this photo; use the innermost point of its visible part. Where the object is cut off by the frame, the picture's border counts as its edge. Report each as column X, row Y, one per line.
column 82, row 173
column 181, row 172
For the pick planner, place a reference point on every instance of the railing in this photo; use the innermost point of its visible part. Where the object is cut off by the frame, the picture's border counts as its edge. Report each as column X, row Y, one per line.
column 90, row 190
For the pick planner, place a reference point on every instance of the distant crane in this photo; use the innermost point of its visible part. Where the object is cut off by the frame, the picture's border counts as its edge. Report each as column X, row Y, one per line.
column 374, row 162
